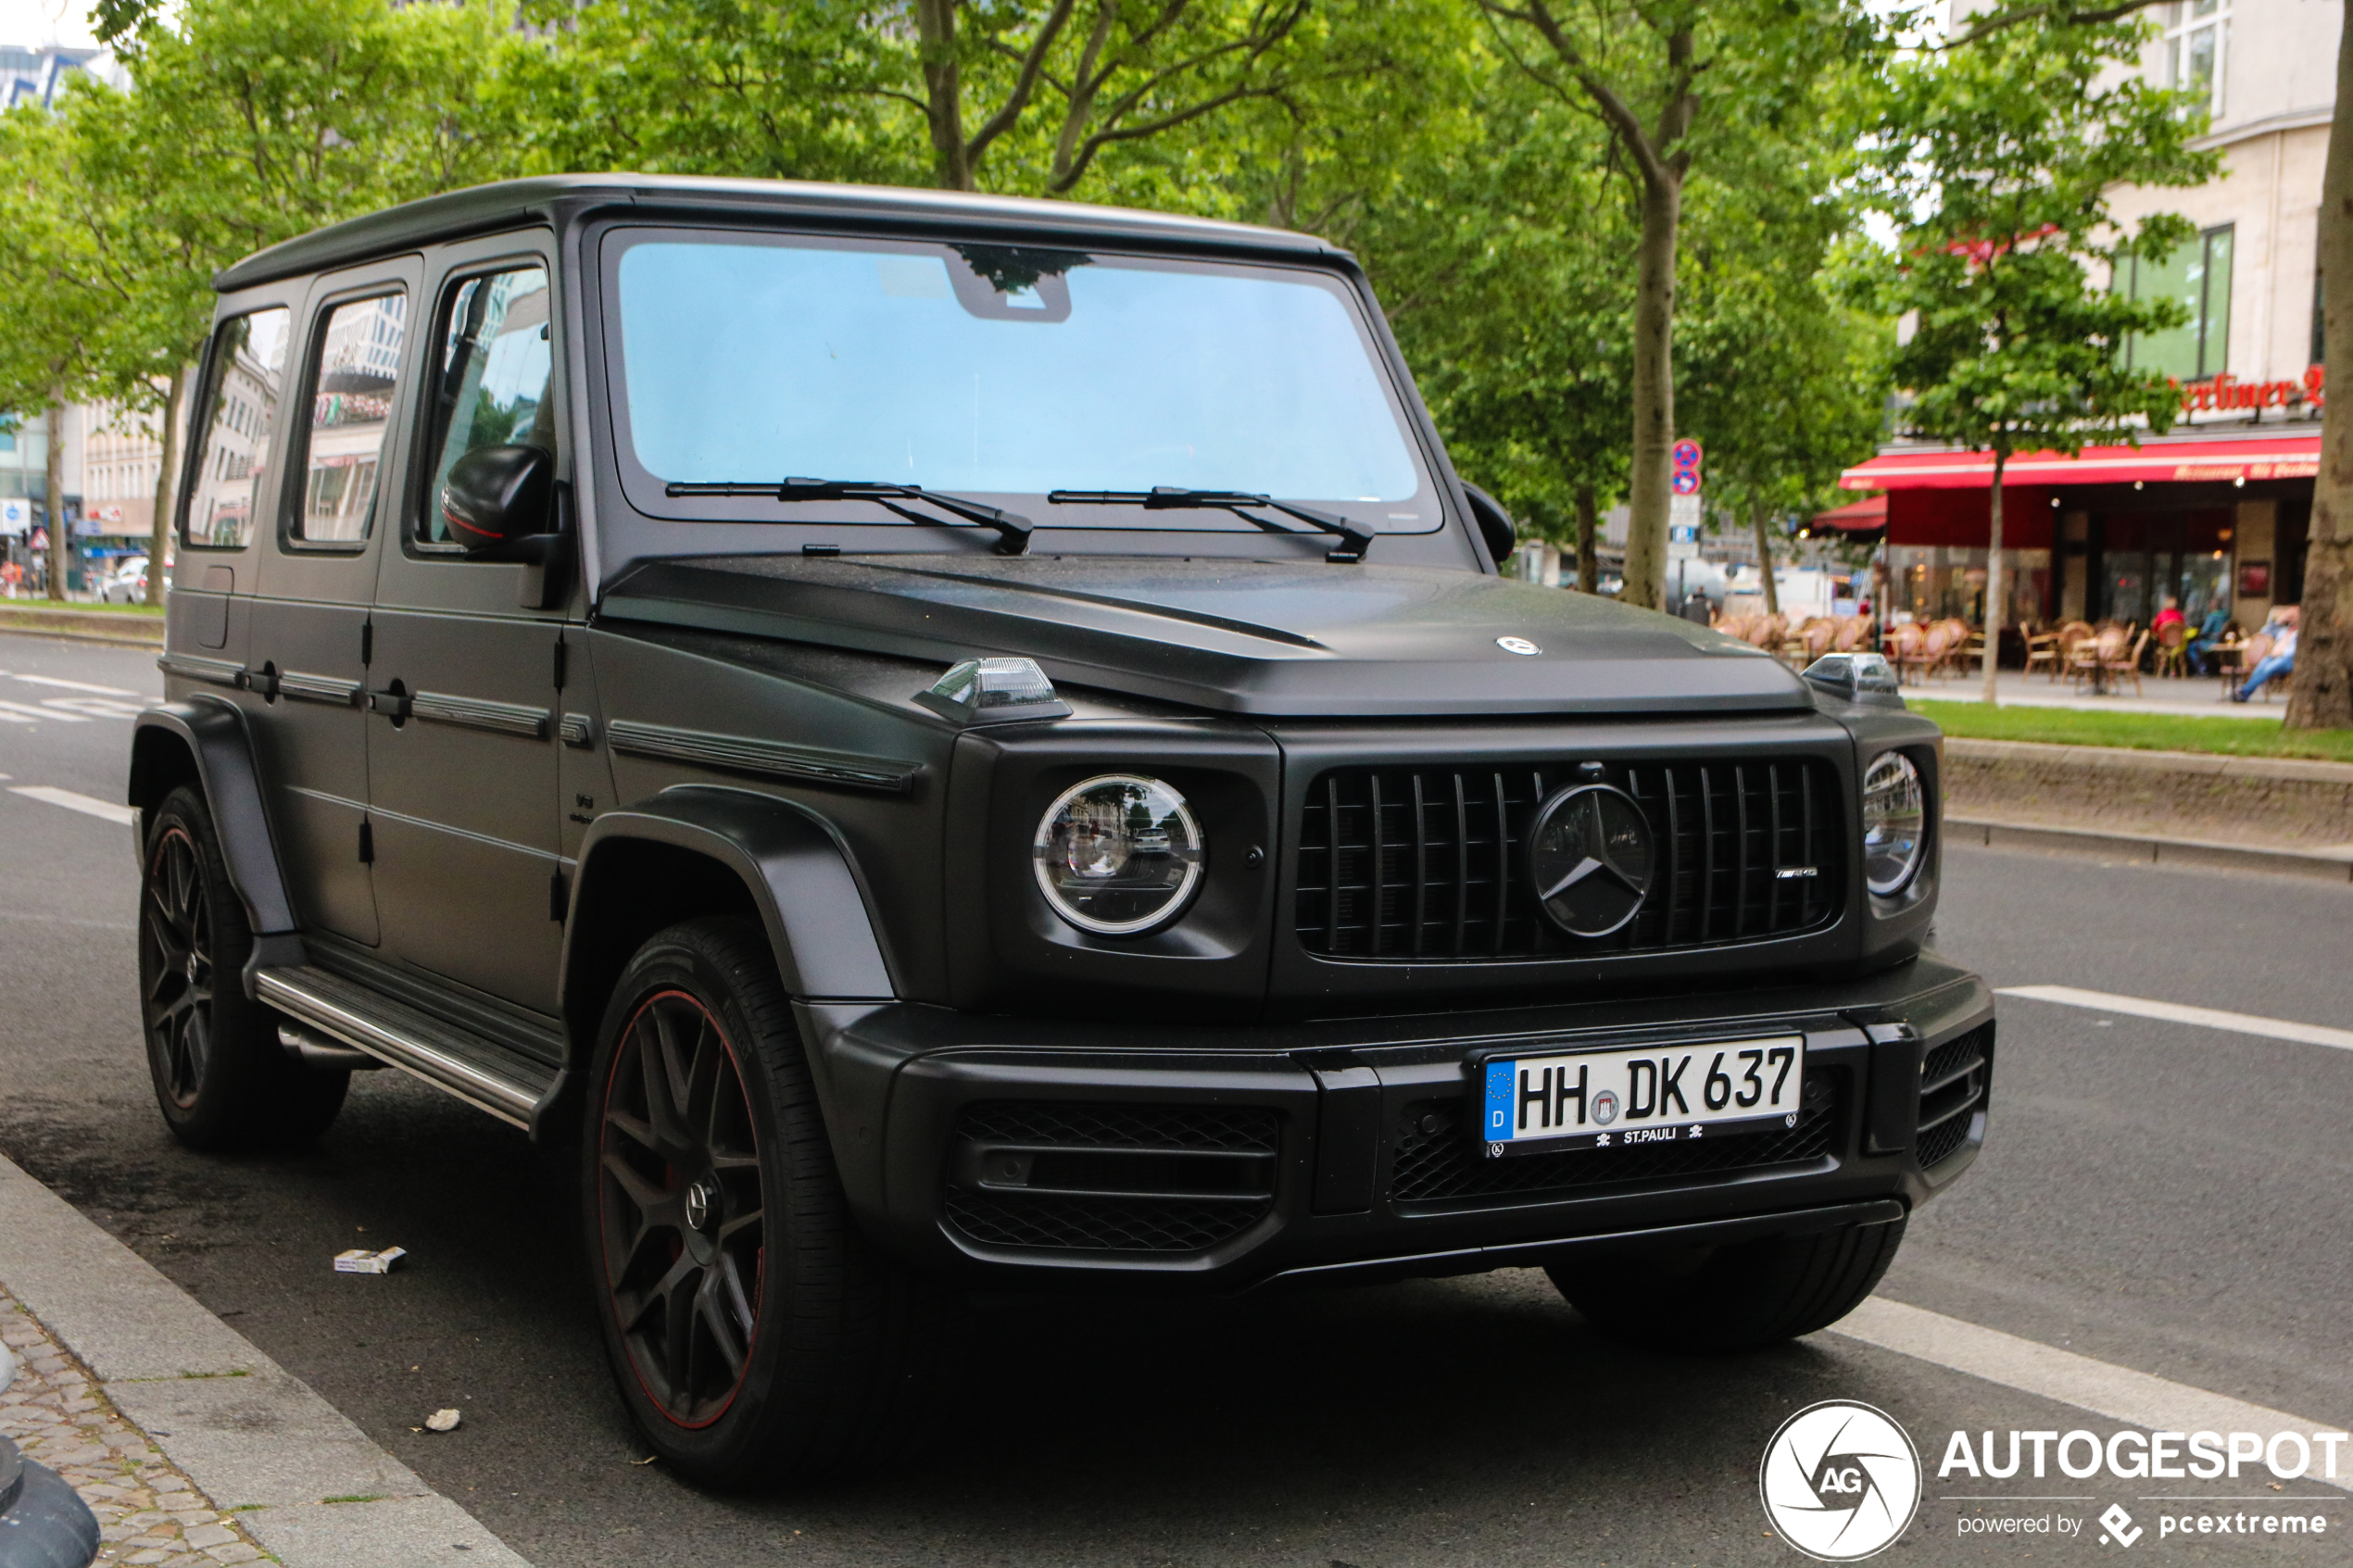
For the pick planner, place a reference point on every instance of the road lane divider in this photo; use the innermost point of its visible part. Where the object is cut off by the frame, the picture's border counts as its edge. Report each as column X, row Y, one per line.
column 2137, row 1399
column 2173, row 1013
column 24, row 713
column 88, row 805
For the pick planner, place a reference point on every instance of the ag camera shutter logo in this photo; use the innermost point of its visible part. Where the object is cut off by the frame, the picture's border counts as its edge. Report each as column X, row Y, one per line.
column 1841, row 1481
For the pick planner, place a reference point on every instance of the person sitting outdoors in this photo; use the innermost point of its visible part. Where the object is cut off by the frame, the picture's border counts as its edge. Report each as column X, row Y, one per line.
column 2279, row 661
column 2169, row 616
column 2210, row 633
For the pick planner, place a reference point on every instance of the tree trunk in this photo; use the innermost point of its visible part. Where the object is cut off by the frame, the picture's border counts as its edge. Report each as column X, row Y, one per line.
column 2322, row 696
column 159, row 537
column 1654, row 391
column 54, row 499
column 943, row 92
column 1589, row 554
column 1765, row 558
column 1993, row 579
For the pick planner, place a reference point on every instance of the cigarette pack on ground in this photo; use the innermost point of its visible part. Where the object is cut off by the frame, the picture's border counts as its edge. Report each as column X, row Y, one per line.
column 359, row 1260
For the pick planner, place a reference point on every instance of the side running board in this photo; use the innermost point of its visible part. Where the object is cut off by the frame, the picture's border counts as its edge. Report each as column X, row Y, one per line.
column 483, row 1073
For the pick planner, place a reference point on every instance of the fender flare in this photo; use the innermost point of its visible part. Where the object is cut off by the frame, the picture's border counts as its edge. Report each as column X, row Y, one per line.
column 796, row 872
column 212, row 733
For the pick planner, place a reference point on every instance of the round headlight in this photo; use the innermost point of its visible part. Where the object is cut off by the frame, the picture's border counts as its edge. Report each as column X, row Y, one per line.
column 1118, row 855
column 1895, row 823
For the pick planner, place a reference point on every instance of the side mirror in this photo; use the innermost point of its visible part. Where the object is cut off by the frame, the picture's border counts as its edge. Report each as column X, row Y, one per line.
column 496, row 496
column 1495, row 524
column 1856, row 677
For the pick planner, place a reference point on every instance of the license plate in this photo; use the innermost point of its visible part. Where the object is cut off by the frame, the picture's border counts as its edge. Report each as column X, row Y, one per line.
column 1658, row 1093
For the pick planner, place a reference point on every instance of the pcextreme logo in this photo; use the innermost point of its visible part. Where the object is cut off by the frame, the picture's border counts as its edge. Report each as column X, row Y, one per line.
column 1840, row 1481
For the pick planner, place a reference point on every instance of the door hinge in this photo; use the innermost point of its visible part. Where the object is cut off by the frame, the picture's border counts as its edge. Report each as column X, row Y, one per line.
column 559, row 661
column 366, row 843
column 366, row 642
column 558, row 897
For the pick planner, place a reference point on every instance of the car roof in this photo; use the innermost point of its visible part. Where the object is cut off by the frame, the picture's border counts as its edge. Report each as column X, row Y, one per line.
column 487, row 208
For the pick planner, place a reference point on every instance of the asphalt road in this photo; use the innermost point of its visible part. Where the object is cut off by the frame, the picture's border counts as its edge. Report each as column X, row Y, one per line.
column 2164, row 1197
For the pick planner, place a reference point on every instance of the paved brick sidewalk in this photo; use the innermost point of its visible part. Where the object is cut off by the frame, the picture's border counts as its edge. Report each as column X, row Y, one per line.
column 148, row 1512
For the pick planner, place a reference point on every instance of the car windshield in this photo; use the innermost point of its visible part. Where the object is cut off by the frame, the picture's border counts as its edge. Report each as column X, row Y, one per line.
column 1000, row 371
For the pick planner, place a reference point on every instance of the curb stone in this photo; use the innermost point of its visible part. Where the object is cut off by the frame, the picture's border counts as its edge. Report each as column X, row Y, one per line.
column 2331, row 864
column 250, row 1434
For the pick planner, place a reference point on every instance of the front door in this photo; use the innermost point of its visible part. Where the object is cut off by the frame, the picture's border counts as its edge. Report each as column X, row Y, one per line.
column 463, row 751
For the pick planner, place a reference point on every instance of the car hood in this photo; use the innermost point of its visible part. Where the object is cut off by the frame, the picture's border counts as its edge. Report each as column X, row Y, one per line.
column 1268, row 638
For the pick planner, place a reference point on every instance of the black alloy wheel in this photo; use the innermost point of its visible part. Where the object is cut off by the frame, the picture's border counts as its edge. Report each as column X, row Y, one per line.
column 683, row 1214
column 177, row 985
column 222, row 1080
column 757, row 1337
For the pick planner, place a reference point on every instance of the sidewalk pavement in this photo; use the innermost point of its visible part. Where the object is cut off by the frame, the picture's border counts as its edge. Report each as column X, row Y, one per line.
column 2194, row 698
column 123, row 1366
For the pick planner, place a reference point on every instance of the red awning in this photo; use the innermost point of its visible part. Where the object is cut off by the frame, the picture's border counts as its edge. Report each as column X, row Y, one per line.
column 2295, row 456
column 1866, row 516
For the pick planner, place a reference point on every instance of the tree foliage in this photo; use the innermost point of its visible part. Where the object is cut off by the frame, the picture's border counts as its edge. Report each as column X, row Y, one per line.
column 2002, row 155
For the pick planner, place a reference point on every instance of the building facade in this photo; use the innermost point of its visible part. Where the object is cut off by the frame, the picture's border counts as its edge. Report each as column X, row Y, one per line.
column 2216, row 511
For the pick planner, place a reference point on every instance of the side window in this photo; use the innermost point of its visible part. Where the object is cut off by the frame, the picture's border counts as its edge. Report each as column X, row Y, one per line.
column 490, row 386
column 356, row 365
column 239, row 421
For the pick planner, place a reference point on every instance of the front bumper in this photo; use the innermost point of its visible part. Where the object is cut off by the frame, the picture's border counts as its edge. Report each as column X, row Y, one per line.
column 1029, row 1151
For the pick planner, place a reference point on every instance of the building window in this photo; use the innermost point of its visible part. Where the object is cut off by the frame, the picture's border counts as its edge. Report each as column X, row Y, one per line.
column 2198, row 43
column 2199, row 276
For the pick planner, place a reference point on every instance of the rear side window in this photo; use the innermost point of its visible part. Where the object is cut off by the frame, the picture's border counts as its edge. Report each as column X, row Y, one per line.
column 239, row 421
column 356, row 368
column 491, row 381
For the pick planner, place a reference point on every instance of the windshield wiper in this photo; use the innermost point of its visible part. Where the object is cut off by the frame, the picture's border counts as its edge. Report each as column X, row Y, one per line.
column 1354, row 537
column 1013, row 529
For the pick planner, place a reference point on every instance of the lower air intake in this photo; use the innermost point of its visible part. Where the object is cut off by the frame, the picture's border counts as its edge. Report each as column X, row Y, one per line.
column 1156, row 1179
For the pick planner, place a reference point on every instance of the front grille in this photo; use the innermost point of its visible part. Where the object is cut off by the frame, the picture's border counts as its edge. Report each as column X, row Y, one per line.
column 1437, row 1161
column 1111, row 1178
column 1953, row 1079
column 1425, row 865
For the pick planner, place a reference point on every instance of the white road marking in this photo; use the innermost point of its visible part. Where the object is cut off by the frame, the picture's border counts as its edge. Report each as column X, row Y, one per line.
column 2120, row 1393
column 89, row 804
column 73, row 685
column 2173, row 1013
column 34, row 715
column 93, row 706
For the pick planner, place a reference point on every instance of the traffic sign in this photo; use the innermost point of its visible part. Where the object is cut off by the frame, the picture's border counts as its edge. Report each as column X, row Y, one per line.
column 1687, row 454
column 1684, row 478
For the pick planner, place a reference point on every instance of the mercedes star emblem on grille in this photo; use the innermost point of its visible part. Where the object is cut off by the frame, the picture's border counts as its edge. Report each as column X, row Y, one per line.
column 1589, row 853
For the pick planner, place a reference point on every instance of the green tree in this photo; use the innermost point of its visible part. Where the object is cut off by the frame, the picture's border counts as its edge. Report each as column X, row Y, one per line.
column 1678, row 83
column 2002, row 155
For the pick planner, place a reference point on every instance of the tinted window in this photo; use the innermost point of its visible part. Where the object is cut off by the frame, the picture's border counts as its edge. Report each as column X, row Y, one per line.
column 356, row 366
column 239, row 420
column 1002, row 369
column 491, row 386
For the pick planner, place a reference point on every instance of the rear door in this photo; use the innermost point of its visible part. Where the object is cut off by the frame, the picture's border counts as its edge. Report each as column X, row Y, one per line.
column 462, row 750
column 309, row 653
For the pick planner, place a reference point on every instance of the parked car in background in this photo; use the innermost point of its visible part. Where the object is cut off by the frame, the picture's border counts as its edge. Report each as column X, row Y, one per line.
column 126, row 582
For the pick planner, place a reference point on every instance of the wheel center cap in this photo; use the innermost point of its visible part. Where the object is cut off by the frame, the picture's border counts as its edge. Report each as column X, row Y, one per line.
column 702, row 1205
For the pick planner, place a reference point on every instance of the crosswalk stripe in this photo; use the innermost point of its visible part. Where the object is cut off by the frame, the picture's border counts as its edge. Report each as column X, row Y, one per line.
column 36, row 714
column 2173, row 1013
column 88, row 803
column 2121, row 1394
column 74, row 685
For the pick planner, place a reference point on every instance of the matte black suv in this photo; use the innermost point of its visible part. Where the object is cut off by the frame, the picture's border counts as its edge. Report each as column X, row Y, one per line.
column 944, row 740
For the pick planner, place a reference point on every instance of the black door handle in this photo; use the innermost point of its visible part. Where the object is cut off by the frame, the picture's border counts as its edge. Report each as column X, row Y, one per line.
column 392, row 702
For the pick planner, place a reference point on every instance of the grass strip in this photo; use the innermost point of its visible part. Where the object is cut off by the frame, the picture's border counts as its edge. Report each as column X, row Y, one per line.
column 2138, row 731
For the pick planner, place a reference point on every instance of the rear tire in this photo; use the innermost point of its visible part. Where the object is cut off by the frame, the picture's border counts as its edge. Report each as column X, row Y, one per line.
column 1737, row 1297
column 221, row 1079
column 757, row 1337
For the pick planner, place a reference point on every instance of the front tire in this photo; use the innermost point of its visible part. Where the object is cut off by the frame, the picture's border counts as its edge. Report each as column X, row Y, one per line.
column 757, row 1337
column 221, row 1079
column 1737, row 1297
